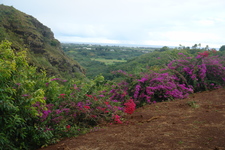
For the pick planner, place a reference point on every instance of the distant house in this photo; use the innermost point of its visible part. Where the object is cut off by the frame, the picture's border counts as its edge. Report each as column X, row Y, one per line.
column 87, row 48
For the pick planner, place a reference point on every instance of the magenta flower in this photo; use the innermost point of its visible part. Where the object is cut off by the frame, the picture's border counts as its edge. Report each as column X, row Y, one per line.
column 129, row 106
column 68, row 127
column 87, row 107
column 61, row 95
column 143, row 80
column 101, row 95
column 204, row 54
column 117, row 119
column 55, row 79
column 25, row 95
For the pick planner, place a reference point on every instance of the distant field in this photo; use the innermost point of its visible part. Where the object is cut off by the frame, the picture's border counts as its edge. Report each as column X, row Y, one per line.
column 108, row 61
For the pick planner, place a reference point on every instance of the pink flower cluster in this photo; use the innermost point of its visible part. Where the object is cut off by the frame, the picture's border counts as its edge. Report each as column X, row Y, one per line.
column 204, row 54
column 117, row 119
column 129, row 106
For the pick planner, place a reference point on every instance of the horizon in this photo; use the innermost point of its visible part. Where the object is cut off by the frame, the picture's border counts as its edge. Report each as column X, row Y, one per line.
column 133, row 45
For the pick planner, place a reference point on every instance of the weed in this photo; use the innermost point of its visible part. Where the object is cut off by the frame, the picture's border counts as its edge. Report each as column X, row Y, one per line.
column 180, row 142
column 193, row 104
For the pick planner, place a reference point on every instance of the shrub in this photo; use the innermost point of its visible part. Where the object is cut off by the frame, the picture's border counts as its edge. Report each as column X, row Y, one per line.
column 151, row 87
column 18, row 91
column 203, row 72
column 37, row 110
column 180, row 78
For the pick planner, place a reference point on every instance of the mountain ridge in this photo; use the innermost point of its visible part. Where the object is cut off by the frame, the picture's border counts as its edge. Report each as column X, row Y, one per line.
column 44, row 51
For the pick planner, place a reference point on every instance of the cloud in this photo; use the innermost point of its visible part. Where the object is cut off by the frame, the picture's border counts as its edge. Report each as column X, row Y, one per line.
column 206, row 22
column 131, row 21
column 74, row 39
column 188, row 36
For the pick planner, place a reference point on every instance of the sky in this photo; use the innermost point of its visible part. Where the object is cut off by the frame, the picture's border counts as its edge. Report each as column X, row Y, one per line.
column 137, row 22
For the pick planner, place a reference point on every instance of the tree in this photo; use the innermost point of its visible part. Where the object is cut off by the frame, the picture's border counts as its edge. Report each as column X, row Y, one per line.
column 222, row 48
column 195, row 46
column 164, row 48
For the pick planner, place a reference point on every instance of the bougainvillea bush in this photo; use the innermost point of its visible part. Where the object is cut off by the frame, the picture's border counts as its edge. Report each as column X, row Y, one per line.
column 36, row 110
column 177, row 80
column 203, row 72
column 152, row 87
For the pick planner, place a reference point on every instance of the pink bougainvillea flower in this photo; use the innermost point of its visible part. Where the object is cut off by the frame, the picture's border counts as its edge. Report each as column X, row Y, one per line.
column 95, row 98
column 55, row 79
column 87, row 107
column 68, row 127
column 25, row 95
column 101, row 95
column 204, row 54
column 93, row 116
column 100, row 108
column 18, row 84
column 89, row 95
column 129, row 106
column 117, row 119
column 213, row 50
column 61, row 95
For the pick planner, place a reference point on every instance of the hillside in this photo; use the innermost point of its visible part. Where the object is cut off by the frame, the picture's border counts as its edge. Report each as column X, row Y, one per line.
column 157, row 59
column 96, row 59
column 44, row 51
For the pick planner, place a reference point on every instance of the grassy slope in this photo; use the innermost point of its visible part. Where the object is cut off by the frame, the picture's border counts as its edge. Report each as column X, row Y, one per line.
column 44, row 51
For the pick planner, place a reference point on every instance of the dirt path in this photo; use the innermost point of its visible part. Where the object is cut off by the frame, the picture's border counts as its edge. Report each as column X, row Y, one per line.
column 194, row 123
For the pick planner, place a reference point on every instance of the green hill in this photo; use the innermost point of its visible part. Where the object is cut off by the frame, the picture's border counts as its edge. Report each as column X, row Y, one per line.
column 44, row 51
column 151, row 61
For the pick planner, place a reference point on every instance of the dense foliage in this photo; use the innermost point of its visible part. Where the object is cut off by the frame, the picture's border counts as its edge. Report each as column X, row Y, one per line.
column 97, row 58
column 134, row 59
column 36, row 110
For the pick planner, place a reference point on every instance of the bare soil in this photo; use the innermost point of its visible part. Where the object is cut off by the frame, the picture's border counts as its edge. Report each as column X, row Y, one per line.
column 197, row 122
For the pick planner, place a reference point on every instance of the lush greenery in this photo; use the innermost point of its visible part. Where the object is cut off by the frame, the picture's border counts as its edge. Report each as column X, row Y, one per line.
column 97, row 58
column 37, row 110
column 43, row 50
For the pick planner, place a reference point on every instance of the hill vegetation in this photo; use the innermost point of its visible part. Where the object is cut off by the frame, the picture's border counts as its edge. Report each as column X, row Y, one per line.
column 37, row 110
column 43, row 50
column 97, row 58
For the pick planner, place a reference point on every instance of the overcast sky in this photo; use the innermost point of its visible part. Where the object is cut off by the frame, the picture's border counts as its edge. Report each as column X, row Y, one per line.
column 139, row 22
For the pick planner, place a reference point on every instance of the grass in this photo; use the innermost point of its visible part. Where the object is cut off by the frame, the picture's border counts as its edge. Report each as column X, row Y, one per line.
column 193, row 104
column 108, row 61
